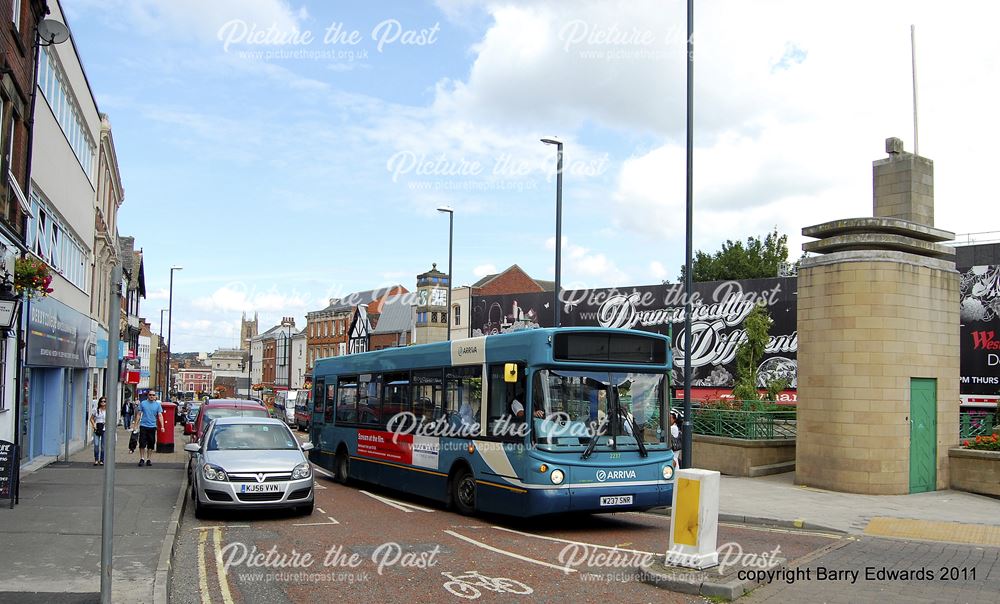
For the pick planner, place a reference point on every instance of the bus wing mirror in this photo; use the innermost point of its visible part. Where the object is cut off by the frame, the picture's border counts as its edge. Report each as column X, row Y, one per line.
column 510, row 373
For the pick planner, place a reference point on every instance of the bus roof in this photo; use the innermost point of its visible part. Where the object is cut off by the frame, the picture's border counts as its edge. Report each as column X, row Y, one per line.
column 531, row 346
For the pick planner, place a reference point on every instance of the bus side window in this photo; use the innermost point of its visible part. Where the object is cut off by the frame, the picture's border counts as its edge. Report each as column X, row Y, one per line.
column 369, row 395
column 347, row 400
column 331, row 403
column 395, row 397
column 428, row 399
column 464, row 395
column 499, row 398
column 320, row 390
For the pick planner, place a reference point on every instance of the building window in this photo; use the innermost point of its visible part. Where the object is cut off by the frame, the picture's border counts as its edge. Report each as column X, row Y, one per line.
column 15, row 16
column 49, row 239
column 56, row 90
column 457, row 312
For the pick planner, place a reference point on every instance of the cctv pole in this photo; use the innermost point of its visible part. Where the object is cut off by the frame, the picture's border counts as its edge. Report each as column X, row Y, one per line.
column 111, row 387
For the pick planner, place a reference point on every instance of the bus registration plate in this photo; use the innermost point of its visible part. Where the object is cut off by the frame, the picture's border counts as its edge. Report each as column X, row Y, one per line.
column 616, row 500
column 260, row 488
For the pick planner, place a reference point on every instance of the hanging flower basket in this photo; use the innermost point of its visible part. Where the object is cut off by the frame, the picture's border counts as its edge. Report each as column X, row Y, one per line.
column 32, row 276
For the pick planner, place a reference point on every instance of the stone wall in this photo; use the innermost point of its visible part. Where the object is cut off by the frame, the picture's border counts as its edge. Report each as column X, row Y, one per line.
column 866, row 327
column 738, row 457
column 975, row 471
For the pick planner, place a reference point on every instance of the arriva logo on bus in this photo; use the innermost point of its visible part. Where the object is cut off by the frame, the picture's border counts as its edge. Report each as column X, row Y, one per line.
column 603, row 475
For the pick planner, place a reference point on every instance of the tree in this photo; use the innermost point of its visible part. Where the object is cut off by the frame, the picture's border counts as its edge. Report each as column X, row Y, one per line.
column 754, row 259
column 750, row 352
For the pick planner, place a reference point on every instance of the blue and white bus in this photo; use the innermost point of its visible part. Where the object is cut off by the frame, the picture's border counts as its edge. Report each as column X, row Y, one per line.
column 534, row 422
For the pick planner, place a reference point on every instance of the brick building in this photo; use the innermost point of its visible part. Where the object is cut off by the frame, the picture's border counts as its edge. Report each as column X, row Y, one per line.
column 513, row 280
column 328, row 330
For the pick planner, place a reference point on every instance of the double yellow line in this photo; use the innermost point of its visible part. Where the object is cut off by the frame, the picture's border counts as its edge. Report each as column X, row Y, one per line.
column 220, row 571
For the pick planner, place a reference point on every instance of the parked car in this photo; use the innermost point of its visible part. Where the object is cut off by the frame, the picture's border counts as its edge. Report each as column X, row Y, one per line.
column 250, row 463
column 303, row 410
column 191, row 418
column 223, row 407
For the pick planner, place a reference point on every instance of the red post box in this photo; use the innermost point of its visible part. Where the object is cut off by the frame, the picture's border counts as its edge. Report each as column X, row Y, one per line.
column 165, row 433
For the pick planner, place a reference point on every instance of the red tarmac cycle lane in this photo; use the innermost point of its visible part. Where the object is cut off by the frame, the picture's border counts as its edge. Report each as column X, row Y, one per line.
column 401, row 553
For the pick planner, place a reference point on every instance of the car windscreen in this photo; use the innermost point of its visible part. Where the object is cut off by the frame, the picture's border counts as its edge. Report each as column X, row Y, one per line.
column 211, row 414
column 251, row 437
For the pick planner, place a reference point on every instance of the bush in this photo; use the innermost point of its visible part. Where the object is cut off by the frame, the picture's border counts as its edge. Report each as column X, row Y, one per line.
column 983, row 443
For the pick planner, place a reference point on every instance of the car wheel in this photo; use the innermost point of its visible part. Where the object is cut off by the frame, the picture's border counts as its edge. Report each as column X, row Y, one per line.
column 463, row 492
column 341, row 467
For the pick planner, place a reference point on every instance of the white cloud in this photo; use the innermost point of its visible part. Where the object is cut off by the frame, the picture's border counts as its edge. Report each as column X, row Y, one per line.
column 484, row 269
column 584, row 268
column 658, row 271
column 237, row 297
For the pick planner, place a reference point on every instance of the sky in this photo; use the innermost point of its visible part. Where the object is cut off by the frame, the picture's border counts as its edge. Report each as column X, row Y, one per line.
column 287, row 152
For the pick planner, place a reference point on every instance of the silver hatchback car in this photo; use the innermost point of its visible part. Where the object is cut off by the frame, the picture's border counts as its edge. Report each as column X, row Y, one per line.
column 250, row 463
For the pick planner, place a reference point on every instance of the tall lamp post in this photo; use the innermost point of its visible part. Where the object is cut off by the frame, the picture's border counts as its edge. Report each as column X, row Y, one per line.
column 451, row 232
column 249, row 365
column 170, row 321
column 559, row 171
column 159, row 374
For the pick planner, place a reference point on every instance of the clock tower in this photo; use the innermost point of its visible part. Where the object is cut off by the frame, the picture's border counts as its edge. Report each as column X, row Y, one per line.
column 432, row 306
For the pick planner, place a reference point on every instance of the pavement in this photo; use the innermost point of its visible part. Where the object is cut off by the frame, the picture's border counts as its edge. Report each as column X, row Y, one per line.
column 777, row 500
column 52, row 540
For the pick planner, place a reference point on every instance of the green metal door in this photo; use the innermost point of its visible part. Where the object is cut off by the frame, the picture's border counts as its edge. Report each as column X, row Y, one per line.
column 923, row 434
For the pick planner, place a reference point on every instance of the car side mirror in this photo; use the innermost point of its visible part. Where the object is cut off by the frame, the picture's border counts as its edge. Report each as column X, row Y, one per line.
column 307, row 446
column 192, row 447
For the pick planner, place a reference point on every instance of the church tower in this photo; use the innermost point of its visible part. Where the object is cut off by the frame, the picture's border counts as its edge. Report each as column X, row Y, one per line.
column 248, row 329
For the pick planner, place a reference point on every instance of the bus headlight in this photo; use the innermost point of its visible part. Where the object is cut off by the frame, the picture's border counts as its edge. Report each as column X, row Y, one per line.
column 668, row 472
column 557, row 476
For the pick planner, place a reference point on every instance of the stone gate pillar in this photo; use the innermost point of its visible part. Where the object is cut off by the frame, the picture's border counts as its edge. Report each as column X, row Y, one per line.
column 878, row 357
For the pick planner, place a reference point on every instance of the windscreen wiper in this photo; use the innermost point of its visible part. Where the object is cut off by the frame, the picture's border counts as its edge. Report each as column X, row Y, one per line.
column 593, row 441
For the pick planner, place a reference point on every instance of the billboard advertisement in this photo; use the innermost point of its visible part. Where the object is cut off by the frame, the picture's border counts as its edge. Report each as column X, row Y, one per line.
column 980, row 331
column 719, row 308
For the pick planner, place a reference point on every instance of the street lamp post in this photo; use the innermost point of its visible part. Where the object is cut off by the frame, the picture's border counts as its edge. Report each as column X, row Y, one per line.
column 170, row 321
column 249, row 365
column 559, row 172
column 159, row 374
column 451, row 232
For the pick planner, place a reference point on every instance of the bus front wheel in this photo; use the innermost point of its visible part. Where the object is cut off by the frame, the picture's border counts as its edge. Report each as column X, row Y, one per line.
column 341, row 468
column 463, row 492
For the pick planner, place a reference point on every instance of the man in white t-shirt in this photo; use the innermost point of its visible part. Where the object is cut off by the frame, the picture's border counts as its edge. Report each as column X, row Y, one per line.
column 517, row 408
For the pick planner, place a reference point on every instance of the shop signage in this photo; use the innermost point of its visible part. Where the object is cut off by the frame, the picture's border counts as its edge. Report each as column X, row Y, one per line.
column 58, row 335
column 10, row 466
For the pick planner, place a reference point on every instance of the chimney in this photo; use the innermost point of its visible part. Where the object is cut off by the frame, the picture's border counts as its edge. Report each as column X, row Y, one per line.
column 904, row 185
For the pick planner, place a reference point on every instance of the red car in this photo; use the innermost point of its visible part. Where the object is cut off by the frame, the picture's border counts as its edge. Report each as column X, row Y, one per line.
column 223, row 407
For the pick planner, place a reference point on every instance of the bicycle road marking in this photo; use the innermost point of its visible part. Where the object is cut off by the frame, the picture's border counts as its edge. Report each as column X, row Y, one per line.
column 202, row 573
column 511, row 554
column 227, row 598
column 571, row 542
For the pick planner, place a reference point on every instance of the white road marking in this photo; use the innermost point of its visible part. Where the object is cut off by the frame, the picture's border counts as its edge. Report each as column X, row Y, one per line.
column 387, row 502
column 208, row 528
column 332, row 522
column 319, row 486
column 227, row 597
column 321, row 510
column 408, row 504
column 322, row 471
column 511, row 554
column 558, row 540
column 202, row 573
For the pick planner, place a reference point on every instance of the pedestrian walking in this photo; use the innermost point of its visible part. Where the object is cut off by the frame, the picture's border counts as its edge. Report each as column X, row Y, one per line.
column 128, row 408
column 97, row 422
column 149, row 418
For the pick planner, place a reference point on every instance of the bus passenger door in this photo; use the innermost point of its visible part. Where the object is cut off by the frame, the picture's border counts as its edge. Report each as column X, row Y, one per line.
column 316, row 423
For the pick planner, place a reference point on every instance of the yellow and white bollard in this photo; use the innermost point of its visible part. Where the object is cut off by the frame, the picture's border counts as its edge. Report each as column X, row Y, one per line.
column 694, row 519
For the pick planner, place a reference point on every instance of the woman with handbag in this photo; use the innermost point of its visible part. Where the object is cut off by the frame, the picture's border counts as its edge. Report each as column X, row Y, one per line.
column 97, row 422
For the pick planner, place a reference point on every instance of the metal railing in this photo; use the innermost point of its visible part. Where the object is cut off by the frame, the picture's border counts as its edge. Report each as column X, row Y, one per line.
column 747, row 425
column 976, row 423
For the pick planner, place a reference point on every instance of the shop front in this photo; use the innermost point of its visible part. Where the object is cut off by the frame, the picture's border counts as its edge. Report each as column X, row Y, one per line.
column 60, row 353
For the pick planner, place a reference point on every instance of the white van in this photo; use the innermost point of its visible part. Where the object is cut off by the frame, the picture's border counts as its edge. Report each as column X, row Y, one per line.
column 284, row 405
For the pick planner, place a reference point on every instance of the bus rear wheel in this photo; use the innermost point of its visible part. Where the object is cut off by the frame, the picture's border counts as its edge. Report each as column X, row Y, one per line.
column 463, row 492
column 341, row 467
